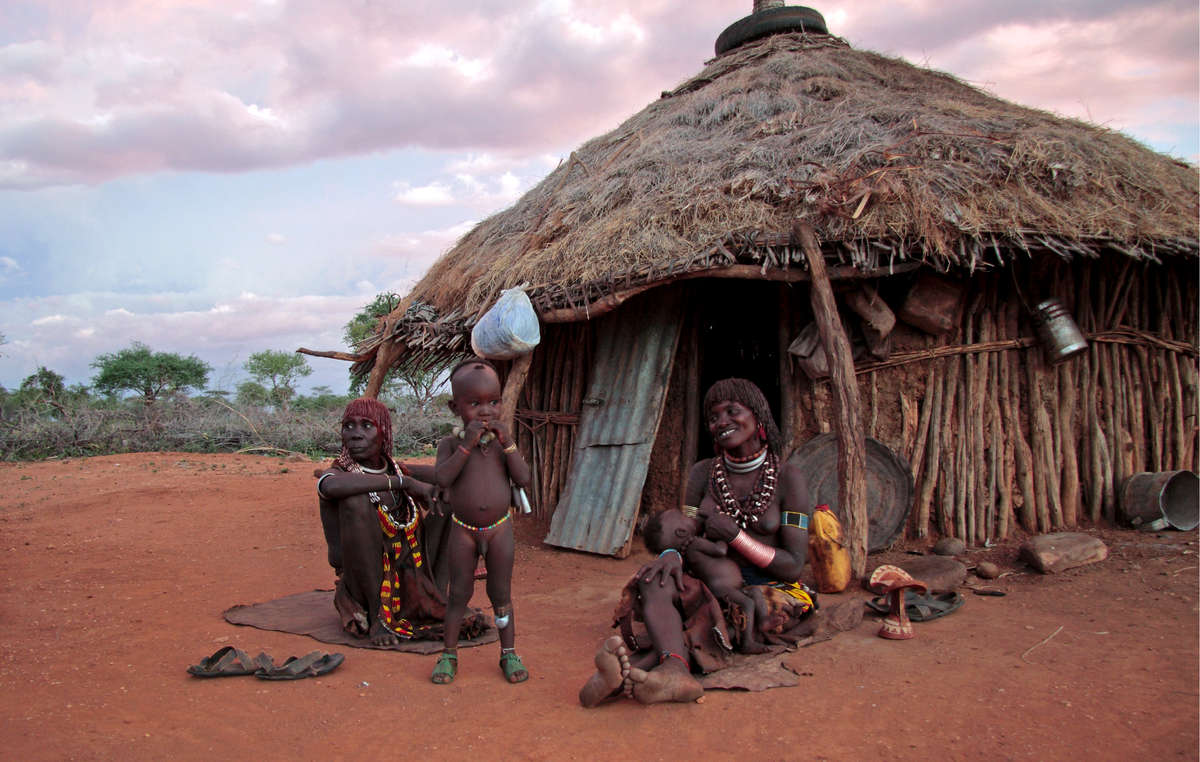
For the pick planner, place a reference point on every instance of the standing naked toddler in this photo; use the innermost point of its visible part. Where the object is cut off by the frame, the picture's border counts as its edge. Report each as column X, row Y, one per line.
column 477, row 468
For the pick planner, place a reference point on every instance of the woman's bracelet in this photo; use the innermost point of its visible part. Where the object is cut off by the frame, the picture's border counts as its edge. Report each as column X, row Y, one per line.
column 758, row 553
column 323, row 478
column 671, row 550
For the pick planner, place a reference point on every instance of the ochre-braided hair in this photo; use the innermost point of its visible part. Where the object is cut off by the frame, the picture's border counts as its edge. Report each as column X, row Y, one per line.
column 377, row 413
column 746, row 393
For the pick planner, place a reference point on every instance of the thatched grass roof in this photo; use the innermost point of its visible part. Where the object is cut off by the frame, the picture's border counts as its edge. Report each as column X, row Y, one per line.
column 886, row 160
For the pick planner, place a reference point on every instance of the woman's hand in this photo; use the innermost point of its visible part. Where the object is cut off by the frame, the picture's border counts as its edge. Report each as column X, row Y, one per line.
column 666, row 566
column 720, row 527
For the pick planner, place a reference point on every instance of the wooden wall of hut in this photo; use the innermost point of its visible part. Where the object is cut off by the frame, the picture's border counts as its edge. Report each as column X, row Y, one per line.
column 997, row 437
column 548, row 410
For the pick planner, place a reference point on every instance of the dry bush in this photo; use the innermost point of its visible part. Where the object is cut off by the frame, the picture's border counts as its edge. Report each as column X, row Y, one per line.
column 185, row 424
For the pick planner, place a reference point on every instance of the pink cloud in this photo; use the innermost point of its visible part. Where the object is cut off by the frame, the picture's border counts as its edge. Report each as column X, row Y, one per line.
column 112, row 87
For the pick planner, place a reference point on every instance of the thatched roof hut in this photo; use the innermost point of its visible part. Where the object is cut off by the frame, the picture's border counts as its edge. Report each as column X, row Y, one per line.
column 896, row 169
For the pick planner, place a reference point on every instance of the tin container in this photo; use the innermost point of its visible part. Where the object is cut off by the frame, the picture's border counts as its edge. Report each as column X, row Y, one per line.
column 1057, row 331
column 1172, row 497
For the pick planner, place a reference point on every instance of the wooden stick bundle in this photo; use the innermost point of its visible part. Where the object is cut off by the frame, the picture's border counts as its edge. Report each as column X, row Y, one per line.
column 917, row 458
column 1024, row 455
column 936, row 404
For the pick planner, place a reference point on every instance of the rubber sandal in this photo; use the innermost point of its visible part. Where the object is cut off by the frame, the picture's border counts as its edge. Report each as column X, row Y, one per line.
column 230, row 662
column 313, row 664
column 920, row 607
column 930, row 606
column 445, row 669
column 514, row 671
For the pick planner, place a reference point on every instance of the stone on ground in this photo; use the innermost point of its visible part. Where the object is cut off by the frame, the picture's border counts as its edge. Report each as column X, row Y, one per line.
column 1059, row 551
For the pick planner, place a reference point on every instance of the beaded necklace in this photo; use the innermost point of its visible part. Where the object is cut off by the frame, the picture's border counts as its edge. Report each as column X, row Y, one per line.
column 389, row 513
column 747, row 464
column 748, row 510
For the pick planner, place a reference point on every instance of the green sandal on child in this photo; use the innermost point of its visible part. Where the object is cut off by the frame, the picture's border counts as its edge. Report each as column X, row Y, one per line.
column 514, row 671
column 445, row 669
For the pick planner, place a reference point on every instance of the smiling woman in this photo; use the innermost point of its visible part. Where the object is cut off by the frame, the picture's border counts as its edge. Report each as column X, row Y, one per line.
column 756, row 510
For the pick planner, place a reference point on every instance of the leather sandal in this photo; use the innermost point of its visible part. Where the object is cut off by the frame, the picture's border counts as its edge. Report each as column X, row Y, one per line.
column 230, row 662
column 312, row 664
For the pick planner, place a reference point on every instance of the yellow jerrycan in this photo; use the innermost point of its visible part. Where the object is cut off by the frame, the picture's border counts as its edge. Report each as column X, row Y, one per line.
column 830, row 556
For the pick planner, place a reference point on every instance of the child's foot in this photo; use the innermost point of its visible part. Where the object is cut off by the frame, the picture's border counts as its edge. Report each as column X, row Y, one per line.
column 612, row 672
column 445, row 669
column 669, row 681
column 514, row 671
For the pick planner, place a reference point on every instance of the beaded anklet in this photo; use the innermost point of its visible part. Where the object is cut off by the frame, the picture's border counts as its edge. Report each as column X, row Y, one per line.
column 662, row 658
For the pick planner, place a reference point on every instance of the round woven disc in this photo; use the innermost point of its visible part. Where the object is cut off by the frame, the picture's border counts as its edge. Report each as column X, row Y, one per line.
column 889, row 485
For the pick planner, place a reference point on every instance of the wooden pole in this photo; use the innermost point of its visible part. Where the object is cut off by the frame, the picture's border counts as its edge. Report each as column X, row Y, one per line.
column 512, row 389
column 1000, row 490
column 693, row 416
column 933, row 450
column 852, row 448
column 1069, row 389
column 948, row 437
column 787, row 382
column 968, row 458
column 388, row 353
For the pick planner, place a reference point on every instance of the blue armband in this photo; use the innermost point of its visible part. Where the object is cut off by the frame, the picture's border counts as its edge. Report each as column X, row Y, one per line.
column 795, row 519
column 671, row 550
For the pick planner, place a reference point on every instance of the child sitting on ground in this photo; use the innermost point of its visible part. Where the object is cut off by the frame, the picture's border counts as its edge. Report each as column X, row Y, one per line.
column 477, row 468
column 706, row 559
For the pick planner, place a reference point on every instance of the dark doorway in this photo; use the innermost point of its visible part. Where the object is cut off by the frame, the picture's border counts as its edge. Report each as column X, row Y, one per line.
column 738, row 335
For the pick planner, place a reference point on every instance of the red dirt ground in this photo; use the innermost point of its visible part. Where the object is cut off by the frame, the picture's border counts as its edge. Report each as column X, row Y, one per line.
column 118, row 569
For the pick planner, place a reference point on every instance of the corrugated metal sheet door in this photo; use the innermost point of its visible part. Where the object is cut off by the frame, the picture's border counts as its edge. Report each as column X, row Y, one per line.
column 624, row 404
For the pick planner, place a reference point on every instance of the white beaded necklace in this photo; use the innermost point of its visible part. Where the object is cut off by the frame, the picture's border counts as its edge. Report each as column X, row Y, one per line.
column 747, row 466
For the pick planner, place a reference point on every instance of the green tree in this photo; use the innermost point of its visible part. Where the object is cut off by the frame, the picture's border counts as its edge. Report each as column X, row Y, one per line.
column 278, row 371
column 43, row 388
column 147, row 373
column 360, row 328
column 45, row 383
column 421, row 386
column 322, row 398
column 253, row 394
column 366, row 322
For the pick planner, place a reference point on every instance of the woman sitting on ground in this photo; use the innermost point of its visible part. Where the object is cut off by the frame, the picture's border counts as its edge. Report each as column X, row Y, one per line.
column 373, row 531
column 756, row 504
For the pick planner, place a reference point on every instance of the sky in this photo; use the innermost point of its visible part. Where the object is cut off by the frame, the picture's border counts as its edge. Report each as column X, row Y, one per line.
column 220, row 177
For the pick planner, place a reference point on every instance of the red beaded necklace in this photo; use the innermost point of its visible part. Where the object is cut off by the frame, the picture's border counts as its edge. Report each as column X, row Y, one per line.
column 748, row 510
